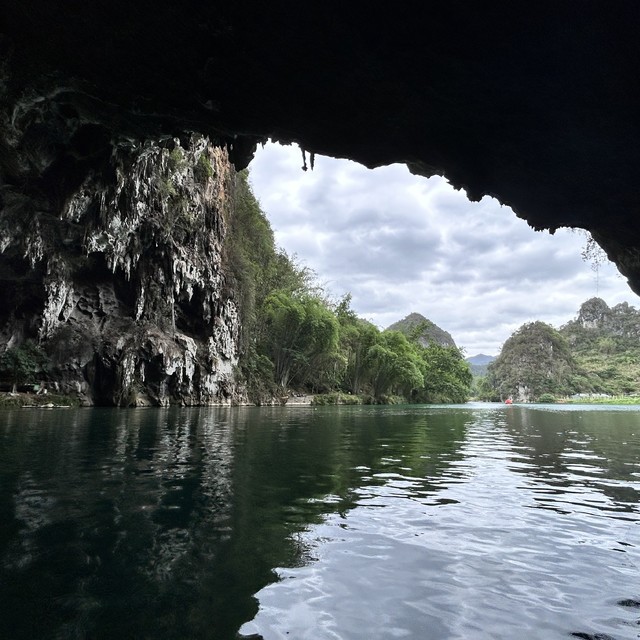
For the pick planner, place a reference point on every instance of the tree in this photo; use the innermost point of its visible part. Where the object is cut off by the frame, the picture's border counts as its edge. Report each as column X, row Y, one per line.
column 355, row 341
column 447, row 377
column 393, row 365
column 356, row 337
column 300, row 333
column 258, row 270
column 482, row 389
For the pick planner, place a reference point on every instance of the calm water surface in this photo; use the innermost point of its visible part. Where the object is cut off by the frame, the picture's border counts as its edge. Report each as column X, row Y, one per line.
column 474, row 522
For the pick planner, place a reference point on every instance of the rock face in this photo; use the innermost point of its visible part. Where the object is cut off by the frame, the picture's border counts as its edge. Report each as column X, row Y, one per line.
column 593, row 313
column 595, row 316
column 123, row 282
column 535, row 360
column 534, row 103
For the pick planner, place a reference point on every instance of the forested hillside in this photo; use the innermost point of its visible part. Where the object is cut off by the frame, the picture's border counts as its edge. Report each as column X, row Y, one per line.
column 479, row 363
column 535, row 360
column 295, row 339
column 597, row 353
column 416, row 327
column 605, row 343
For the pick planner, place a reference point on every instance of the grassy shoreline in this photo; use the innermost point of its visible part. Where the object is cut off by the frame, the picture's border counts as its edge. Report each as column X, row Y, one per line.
column 625, row 400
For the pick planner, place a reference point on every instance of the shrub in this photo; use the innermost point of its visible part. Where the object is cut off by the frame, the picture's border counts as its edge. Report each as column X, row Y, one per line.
column 23, row 364
column 176, row 161
column 203, row 170
column 322, row 399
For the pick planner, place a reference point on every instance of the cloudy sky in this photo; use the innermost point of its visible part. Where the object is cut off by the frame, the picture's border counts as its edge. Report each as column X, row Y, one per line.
column 401, row 243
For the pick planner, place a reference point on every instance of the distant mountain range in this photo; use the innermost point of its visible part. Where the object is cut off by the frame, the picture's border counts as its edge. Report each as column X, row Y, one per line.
column 479, row 363
column 417, row 326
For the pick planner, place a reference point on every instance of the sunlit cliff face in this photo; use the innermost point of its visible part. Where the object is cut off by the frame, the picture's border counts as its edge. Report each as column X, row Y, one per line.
column 535, row 104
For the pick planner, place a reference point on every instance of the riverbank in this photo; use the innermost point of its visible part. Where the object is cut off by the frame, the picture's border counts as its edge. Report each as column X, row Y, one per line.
column 40, row 400
column 627, row 400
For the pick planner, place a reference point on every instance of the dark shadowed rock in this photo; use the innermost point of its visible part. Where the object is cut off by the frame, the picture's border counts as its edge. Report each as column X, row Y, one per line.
column 533, row 103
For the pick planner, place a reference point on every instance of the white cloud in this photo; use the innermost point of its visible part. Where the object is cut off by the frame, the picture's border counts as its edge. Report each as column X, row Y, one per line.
column 401, row 243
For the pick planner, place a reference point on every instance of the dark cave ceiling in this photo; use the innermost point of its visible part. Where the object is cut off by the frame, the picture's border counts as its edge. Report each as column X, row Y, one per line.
column 536, row 104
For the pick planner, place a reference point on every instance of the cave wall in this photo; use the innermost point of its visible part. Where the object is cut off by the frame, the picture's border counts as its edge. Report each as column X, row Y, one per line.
column 124, row 283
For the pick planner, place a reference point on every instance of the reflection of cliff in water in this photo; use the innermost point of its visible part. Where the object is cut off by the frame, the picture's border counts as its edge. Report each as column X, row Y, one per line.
column 115, row 516
column 593, row 449
column 163, row 523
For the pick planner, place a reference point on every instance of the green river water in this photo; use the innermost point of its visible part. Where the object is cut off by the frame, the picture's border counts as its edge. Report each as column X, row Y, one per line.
column 471, row 522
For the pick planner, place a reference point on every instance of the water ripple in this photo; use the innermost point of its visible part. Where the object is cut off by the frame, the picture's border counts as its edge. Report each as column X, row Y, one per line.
column 507, row 542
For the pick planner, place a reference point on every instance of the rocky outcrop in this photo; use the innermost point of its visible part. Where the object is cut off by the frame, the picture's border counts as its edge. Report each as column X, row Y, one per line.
column 535, row 360
column 597, row 318
column 593, row 313
column 122, row 279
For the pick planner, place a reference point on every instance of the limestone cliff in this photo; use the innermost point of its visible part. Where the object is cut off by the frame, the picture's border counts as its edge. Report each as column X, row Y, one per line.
column 620, row 321
column 605, row 342
column 122, row 279
column 535, row 360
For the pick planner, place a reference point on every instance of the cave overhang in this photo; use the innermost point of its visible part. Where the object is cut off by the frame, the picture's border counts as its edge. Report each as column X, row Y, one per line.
column 535, row 104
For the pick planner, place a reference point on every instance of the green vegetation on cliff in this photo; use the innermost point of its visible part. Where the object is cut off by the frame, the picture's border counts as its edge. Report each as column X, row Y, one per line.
column 597, row 353
column 294, row 338
column 535, row 360
column 22, row 365
column 605, row 343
